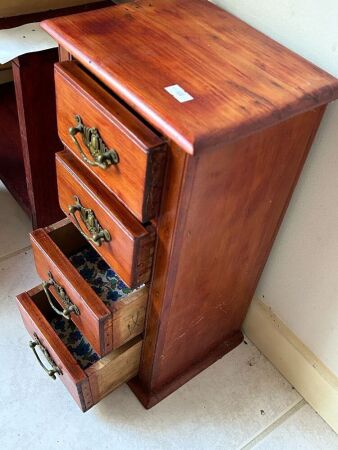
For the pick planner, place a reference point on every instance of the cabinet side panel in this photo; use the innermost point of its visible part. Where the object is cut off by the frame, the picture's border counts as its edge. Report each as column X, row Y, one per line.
column 231, row 205
column 163, row 270
column 239, row 197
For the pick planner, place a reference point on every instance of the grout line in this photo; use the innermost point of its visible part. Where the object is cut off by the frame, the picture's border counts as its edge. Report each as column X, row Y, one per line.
column 263, row 434
column 15, row 253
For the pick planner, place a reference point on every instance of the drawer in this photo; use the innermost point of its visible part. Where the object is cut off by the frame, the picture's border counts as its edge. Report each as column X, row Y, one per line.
column 63, row 351
column 81, row 287
column 116, row 146
column 123, row 242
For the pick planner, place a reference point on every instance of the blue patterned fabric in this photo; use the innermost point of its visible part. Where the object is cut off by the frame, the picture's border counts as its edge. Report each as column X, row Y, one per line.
column 103, row 280
column 107, row 285
column 76, row 343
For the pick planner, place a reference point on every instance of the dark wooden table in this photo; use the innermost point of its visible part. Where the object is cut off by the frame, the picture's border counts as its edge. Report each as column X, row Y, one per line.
column 28, row 133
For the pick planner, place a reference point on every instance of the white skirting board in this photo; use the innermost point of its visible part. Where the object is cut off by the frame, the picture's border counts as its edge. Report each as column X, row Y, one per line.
column 312, row 379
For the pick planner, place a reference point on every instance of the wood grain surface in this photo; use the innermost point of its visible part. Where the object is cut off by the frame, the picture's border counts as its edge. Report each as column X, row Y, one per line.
column 137, row 179
column 241, row 81
column 235, row 152
column 114, row 369
column 130, row 249
column 129, row 315
column 27, row 146
column 88, row 386
column 51, row 248
column 34, row 85
column 12, row 169
column 221, row 212
column 106, row 328
column 73, row 377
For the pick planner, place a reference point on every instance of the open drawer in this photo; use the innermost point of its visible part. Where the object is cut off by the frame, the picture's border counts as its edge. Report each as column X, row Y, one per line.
column 117, row 147
column 62, row 350
column 125, row 243
column 85, row 289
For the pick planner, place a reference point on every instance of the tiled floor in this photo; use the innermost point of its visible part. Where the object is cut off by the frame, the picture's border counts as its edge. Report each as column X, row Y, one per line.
column 14, row 225
column 239, row 402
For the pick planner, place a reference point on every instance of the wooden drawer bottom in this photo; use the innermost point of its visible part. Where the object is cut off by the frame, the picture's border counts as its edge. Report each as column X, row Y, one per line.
column 64, row 352
column 108, row 313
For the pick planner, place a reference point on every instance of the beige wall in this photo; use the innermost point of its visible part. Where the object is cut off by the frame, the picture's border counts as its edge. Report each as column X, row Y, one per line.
column 16, row 7
column 300, row 280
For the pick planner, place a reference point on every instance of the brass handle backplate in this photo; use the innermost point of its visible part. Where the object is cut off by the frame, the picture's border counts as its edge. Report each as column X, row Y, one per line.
column 54, row 368
column 97, row 233
column 103, row 157
column 69, row 307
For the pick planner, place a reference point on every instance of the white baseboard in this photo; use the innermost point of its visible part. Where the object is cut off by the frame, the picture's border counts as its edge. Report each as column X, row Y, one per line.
column 312, row 379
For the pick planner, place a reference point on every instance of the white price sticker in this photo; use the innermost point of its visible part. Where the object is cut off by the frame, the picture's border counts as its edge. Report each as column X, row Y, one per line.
column 179, row 93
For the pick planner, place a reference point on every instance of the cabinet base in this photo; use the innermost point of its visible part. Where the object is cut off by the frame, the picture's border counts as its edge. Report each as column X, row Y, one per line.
column 151, row 398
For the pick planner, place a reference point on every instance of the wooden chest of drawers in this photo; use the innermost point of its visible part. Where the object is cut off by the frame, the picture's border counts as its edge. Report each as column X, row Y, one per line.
column 185, row 131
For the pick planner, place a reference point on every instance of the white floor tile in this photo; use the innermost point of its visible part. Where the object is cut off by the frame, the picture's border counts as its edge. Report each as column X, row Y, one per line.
column 304, row 430
column 14, row 224
column 222, row 408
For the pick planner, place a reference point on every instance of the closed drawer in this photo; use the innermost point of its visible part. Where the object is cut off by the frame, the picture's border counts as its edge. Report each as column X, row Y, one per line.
column 81, row 287
column 123, row 242
column 64, row 352
column 117, row 147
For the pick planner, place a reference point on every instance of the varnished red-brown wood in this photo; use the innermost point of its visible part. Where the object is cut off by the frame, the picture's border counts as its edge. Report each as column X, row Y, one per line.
column 22, row 19
column 220, row 215
column 12, row 170
column 28, row 143
column 52, row 247
column 137, row 179
column 31, row 307
column 29, row 138
column 235, row 153
column 105, row 328
column 241, row 80
column 151, row 398
column 33, row 76
column 64, row 55
column 130, row 249
column 87, row 386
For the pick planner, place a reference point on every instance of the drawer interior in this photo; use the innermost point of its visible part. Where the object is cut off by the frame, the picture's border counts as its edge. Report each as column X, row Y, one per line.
column 88, row 377
column 109, row 312
column 91, row 266
column 125, row 243
column 67, row 331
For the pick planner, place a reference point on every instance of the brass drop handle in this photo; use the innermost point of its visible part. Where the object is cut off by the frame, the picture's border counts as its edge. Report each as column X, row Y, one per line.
column 97, row 233
column 103, row 157
column 69, row 307
column 54, row 368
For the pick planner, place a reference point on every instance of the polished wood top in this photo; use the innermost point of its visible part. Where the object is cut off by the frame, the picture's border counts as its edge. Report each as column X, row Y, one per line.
column 241, row 81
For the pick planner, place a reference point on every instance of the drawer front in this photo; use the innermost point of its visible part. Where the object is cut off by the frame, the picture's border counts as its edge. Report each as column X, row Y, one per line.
column 123, row 242
column 119, row 149
column 84, row 288
column 88, row 379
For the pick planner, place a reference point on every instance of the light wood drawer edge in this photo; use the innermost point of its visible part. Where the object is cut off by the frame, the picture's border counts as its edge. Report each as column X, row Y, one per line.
column 129, row 316
column 87, row 386
column 114, row 369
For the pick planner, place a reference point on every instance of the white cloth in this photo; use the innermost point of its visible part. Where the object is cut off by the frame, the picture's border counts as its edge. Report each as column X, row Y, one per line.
column 24, row 39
